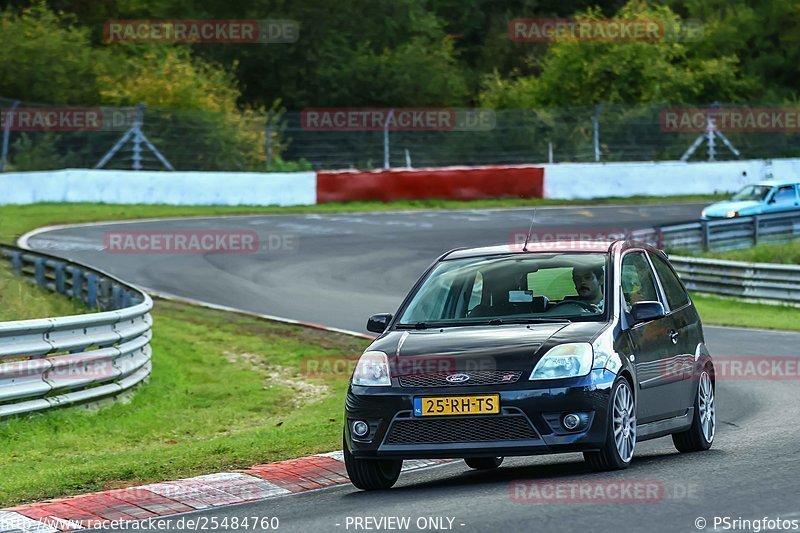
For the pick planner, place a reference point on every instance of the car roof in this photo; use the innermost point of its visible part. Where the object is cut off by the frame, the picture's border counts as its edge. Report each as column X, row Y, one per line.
column 550, row 246
column 777, row 182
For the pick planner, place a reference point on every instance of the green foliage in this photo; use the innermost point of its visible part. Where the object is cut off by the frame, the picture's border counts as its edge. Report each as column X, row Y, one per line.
column 622, row 72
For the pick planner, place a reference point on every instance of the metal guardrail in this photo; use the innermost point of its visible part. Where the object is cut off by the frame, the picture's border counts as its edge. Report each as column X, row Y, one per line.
column 724, row 234
column 54, row 362
column 763, row 282
column 753, row 281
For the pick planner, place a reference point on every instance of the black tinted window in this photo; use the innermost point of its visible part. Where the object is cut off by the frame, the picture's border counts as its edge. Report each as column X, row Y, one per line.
column 676, row 294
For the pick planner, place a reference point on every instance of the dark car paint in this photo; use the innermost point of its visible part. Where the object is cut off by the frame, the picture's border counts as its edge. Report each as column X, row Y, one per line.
column 665, row 382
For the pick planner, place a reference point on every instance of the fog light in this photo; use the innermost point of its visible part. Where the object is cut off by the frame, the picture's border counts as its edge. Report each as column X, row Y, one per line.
column 571, row 421
column 360, row 428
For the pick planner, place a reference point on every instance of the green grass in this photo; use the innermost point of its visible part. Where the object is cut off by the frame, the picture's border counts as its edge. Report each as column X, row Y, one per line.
column 223, row 395
column 729, row 312
column 18, row 219
column 20, row 300
column 785, row 253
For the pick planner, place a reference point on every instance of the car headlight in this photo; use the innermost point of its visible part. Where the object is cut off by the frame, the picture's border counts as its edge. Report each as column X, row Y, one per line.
column 565, row 361
column 731, row 214
column 372, row 370
column 703, row 214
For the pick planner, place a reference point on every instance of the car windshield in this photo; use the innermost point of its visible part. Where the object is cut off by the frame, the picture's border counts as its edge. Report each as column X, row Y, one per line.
column 752, row 192
column 509, row 289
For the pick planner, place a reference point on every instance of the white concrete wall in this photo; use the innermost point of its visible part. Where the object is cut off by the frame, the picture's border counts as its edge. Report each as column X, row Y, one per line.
column 598, row 180
column 147, row 187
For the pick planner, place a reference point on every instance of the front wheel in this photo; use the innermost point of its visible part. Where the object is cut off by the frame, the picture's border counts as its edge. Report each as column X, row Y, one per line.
column 617, row 452
column 484, row 463
column 371, row 474
column 700, row 434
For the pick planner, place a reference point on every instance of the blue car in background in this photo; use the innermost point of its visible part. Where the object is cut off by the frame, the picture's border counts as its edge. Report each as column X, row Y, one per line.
column 764, row 197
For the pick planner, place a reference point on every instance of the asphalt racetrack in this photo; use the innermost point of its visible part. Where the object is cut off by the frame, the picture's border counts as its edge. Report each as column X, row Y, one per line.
column 337, row 269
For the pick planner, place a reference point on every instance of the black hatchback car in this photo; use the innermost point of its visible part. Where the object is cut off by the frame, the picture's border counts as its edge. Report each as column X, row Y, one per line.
column 527, row 350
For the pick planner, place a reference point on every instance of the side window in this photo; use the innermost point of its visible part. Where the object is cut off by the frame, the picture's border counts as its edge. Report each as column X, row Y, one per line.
column 784, row 195
column 638, row 284
column 673, row 288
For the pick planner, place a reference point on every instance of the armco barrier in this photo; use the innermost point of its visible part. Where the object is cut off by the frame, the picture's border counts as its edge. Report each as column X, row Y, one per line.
column 753, row 281
column 457, row 183
column 764, row 282
column 724, row 234
column 53, row 362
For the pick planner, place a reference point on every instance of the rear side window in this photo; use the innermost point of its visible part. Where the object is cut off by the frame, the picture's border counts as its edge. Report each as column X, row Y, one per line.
column 638, row 284
column 784, row 194
column 673, row 288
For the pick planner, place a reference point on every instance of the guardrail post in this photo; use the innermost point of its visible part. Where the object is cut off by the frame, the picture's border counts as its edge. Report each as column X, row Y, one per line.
column 91, row 290
column 704, row 226
column 39, row 264
column 61, row 286
column 755, row 230
column 16, row 263
column 77, row 284
column 116, row 297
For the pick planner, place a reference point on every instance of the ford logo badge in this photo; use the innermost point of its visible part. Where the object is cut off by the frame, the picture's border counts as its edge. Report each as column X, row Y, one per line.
column 457, row 378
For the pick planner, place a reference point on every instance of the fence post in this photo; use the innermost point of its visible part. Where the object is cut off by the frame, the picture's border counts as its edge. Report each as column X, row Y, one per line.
column 6, row 133
column 269, row 142
column 386, row 165
column 16, row 262
column 596, row 122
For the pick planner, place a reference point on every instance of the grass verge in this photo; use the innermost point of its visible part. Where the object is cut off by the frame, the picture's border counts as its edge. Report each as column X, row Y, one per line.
column 226, row 392
column 729, row 312
column 18, row 219
column 20, row 300
column 783, row 253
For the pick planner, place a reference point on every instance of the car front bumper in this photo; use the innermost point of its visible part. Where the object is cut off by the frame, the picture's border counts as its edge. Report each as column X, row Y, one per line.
column 529, row 422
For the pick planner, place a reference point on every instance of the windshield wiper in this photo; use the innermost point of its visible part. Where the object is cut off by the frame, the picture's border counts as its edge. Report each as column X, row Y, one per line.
column 417, row 325
column 498, row 321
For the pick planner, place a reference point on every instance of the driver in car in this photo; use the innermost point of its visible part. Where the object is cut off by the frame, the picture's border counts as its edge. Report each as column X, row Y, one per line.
column 589, row 285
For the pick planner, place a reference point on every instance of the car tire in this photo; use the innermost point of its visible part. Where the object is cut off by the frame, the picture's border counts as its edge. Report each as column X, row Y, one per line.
column 617, row 453
column 700, row 434
column 371, row 474
column 484, row 463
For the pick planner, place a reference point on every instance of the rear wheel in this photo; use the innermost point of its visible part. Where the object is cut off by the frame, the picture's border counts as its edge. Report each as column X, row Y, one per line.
column 700, row 434
column 484, row 463
column 617, row 452
column 371, row 474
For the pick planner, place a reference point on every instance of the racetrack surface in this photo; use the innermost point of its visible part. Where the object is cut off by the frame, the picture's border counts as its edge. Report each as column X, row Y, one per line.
column 347, row 266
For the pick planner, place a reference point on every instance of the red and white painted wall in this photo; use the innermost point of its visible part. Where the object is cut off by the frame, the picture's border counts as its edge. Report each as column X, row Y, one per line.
column 560, row 181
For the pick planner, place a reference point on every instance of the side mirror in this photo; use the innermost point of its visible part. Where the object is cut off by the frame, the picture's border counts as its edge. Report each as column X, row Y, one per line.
column 378, row 323
column 647, row 311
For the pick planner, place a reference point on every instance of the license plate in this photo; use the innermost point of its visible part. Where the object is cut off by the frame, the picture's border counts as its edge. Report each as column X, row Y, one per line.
column 457, row 405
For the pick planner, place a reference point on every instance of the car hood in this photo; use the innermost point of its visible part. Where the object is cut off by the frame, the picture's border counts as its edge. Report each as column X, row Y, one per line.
column 720, row 209
column 462, row 349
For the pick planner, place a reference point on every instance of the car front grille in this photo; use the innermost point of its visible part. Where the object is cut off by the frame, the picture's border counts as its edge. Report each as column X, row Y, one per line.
column 478, row 377
column 455, row 430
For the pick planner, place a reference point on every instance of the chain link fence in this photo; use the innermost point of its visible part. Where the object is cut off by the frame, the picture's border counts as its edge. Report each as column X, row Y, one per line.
column 41, row 137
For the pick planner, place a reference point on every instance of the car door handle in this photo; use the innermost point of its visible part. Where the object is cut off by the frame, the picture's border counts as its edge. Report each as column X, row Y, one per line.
column 674, row 336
